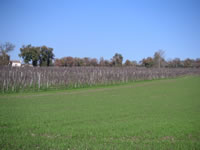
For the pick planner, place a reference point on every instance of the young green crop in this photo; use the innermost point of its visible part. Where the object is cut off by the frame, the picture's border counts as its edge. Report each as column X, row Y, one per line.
column 160, row 114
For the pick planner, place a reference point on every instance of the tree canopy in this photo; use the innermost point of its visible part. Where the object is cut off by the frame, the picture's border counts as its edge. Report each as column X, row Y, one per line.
column 42, row 56
column 117, row 59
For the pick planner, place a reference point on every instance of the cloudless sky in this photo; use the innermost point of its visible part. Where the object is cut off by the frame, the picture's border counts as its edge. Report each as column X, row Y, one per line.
column 96, row 28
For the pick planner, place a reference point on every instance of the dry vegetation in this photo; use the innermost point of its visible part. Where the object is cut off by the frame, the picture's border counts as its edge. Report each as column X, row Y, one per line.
column 20, row 79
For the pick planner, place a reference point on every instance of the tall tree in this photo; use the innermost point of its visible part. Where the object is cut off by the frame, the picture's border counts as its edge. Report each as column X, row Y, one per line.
column 46, row 56
column 30, row 53
column 4, row 50
column 197, row 63
column 93, row 62
column 175, row 63
column 159, row 59
column 35, row 51
column 86, row 61
column 188, row 62
column 128, row 63
column 78, row 61
column 104, row 62
column 148, row 62
column 26, row 53
column 37, row 55
column 117, row 60
column 134, row 63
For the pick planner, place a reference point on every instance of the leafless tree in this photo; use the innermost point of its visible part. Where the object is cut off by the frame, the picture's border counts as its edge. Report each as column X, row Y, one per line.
column 4, row 50
column 159, row 58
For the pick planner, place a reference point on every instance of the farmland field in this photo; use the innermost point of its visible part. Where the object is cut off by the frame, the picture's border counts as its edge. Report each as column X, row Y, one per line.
column 159, row 114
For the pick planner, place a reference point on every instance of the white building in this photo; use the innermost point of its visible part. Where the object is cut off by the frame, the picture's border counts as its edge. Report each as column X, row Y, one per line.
column 15, row 63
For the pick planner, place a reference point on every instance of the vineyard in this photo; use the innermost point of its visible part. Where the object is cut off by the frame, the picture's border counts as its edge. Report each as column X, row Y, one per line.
column 37, row 78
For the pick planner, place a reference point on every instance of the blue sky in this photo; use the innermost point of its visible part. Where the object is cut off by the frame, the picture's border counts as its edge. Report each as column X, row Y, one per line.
column 100, row 28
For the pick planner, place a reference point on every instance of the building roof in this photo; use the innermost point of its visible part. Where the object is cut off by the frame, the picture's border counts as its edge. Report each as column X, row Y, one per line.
column 15, row 61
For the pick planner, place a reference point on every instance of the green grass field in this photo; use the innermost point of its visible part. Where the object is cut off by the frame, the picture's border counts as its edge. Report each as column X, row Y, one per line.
column 160, row 114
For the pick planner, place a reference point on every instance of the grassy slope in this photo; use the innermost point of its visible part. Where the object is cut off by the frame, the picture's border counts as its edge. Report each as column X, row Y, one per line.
column 162, row 114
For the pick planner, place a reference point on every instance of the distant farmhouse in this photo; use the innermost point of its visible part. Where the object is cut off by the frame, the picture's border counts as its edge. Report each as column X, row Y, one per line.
column 15, row 63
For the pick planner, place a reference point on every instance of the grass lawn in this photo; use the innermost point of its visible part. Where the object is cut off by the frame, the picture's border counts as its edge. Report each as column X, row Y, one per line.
column 160, row 114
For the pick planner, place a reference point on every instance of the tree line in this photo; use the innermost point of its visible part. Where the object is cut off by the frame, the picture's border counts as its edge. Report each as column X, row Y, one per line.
column 116, row 60
column 44, row 56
